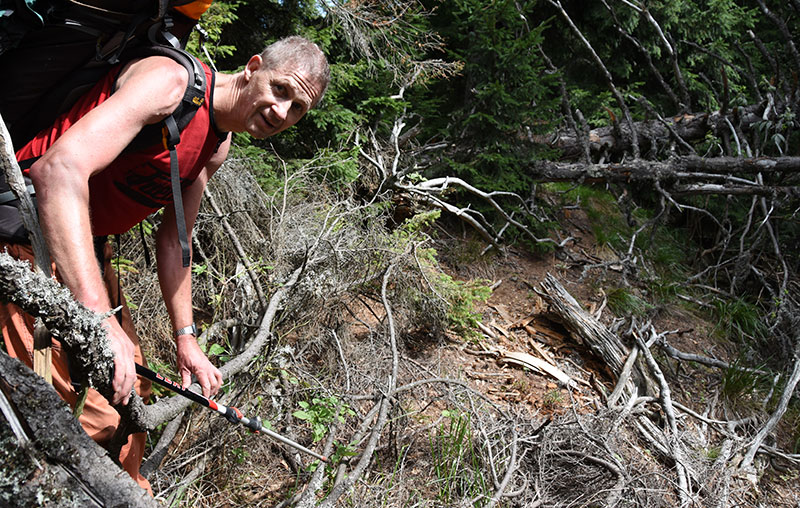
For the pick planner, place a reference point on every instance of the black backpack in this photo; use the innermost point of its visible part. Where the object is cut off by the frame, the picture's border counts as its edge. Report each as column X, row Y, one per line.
column 53, row 51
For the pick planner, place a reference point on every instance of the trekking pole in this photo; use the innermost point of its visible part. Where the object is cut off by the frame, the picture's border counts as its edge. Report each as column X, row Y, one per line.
column 232, row 414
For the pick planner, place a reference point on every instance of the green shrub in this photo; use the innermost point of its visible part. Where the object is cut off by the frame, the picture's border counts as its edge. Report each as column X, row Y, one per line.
column 623, row 302
column 739, row 319
column 740, row 385
column 462, row 297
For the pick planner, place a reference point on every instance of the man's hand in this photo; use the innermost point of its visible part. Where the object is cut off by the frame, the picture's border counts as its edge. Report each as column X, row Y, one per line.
column 124, row 363
column 191, row 360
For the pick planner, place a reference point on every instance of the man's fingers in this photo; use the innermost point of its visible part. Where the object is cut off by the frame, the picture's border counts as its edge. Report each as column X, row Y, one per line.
column 124, row 367
column 204, row 384
column 186, row 379
column 123, row 381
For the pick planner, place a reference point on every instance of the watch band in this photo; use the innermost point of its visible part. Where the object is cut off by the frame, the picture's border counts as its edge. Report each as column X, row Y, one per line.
column 187, row 330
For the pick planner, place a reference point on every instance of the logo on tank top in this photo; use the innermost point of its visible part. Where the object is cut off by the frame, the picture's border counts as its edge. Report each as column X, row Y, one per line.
column 149, row 186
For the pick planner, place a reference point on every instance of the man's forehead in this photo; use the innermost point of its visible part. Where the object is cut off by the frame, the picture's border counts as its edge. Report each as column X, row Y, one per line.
column 301, row 80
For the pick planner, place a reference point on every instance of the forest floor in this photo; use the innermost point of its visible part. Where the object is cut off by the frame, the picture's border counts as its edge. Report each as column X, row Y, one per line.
column 516, row 319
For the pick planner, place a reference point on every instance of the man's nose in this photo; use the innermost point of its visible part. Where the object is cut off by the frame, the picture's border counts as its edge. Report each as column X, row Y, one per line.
column 281, row 109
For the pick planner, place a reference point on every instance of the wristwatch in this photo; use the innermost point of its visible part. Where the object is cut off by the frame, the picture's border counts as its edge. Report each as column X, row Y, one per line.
column 187, row 330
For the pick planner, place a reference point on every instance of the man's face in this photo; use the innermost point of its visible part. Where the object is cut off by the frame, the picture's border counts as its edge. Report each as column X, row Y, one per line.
column 277, row 99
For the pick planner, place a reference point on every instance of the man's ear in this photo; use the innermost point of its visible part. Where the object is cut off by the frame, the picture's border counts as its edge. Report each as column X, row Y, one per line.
column 252, row 66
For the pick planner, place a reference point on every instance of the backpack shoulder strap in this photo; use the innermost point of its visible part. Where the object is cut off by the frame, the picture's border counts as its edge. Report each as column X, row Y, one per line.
column 193, row 97
column 168, row 131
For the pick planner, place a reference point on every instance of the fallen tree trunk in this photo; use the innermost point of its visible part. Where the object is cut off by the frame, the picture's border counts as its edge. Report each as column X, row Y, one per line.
column 53, row 461
column 607, row 346
column 677, row 171
column 690, row 128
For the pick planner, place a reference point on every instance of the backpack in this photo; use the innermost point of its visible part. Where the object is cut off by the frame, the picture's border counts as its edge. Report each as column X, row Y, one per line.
column 53, row 51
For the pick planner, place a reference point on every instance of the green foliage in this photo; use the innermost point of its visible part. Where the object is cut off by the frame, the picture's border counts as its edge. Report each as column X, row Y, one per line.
column 740, row 385
column 341, row 452
column 217, row 350
column 623, row 302
column 124, row 265
column 165, row 370
column 459, row 297
column 792, row 418
column 606, row 221
column 492, row 101
column 456, row 461
column 713, row 452
column 553, row 399
column 739, row 320
column 715, row 24
column 221, row 14
column 321, row 413
column 240, row 454
column 337, row 168
column 260, row 23
column 462, row 297
column 415, row 225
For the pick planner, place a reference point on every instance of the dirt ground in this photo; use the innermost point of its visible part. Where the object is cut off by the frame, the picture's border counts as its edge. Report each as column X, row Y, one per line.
column 515, row 322
column 515, row 319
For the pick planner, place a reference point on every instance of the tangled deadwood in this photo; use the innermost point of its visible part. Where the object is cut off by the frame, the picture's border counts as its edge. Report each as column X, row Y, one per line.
column 343, row 333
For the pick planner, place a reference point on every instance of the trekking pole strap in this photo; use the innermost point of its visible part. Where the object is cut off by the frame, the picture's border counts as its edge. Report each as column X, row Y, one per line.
column 9, row 196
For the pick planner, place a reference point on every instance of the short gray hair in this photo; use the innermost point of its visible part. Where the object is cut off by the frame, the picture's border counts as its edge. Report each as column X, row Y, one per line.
column 298, row 53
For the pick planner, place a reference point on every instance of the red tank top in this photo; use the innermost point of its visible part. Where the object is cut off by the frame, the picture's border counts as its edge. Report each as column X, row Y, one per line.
column 136, row 184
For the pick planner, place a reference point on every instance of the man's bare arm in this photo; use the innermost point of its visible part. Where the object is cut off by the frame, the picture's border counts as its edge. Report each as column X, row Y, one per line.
column 149, row 90
column 176, row 282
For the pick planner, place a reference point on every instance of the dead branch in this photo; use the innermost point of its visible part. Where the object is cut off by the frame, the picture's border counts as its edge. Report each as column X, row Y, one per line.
column 631, row 134
column 666, row 403
column 510, row 470
column 780, row 410
column 208, row 194
column 592, row 333
column 785, row 33
column 649, row 58
column 711, row 362
column 437, row 186
column 27, row 210
column 341, row 487
column 161, row 448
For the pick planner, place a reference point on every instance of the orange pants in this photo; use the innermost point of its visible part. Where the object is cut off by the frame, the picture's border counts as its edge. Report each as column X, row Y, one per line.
column 98, row 419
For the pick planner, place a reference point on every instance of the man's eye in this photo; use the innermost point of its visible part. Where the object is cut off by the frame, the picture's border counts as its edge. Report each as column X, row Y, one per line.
column 297, row 106
column 280, row 88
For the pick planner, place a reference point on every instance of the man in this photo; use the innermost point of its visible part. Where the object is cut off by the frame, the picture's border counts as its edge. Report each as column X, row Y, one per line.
column 88, row 185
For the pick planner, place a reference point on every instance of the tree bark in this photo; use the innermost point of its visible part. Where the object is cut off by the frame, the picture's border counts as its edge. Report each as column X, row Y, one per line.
column 61, row 466
column 681, row 175
column 689, row 127
column 594, row 335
